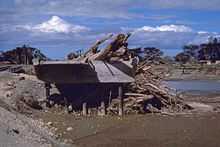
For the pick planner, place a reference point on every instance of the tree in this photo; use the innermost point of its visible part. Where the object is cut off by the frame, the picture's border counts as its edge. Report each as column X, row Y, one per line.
column 183, row 58
column 205, row 51
column 191, row 50
column 152, row 53
column 210, row 50
column 23, row 55
column 72, row 56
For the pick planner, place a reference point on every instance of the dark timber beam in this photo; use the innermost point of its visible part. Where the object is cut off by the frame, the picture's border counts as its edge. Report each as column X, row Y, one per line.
column 121, row 102
column 84, row 109
column 47, row 88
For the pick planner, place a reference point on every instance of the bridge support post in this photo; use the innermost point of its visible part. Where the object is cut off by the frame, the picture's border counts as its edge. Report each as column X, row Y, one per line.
column 121, row 102
column 103, row 109
column 84, row 109
column 47, row 88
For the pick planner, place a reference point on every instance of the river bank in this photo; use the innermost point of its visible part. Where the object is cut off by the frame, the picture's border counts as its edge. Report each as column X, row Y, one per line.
column 177, row 72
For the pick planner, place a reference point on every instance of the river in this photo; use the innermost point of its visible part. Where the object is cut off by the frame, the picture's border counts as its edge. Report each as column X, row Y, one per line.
column 196, row 86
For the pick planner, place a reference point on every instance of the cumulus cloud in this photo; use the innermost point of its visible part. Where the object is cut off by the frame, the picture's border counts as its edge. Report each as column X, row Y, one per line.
column 166, row 36
column 162, row 28
column 55, row 25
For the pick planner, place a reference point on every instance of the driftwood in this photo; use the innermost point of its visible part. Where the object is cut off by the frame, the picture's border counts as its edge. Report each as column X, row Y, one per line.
column 134, row 94
column 119, row 41
column 149, row 94
column 94, row 48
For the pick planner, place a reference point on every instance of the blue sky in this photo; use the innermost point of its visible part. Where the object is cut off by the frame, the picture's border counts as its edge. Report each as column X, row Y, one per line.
column 58, row 27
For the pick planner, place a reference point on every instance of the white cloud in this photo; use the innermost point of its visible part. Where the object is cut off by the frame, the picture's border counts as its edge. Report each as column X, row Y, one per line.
column 164, row 28
column 166, row 36
column 55, row 25
column 203, row 37
column 203, row 32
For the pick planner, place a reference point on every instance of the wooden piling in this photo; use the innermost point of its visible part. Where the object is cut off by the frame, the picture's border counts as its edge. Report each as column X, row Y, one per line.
column 47, row 88
column 47, row 91
column 121, row 102
column 103, row 109
column 84, row 108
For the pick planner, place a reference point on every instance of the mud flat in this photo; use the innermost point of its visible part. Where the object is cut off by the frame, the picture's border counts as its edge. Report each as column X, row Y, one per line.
column 194, row 72
column 192, row 130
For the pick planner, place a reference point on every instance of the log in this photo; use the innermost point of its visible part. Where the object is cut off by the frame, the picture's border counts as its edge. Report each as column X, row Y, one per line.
column 84, row 107
column 94, row 48
column 135, row 94
column 117, row 43
column 103, row 109
column 47, row 88
column 121, row 103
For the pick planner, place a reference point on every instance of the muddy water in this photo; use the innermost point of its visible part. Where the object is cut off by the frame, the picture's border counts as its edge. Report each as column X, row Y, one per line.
column 196, row 86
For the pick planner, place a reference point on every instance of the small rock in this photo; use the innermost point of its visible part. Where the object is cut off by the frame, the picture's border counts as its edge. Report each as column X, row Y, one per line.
column 21, row 78
column 15, row 131
column 51, row 102
column 70, row 108
column 56, row 106
column 51, row 134
column 8, row 94
column 69, row 129
column 49, row 123
column 65, row 141
column 10, row 83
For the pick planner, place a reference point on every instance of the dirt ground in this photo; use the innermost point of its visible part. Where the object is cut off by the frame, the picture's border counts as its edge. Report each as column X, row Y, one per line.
column 200, row 127
column 140, row 130
column 54, row 126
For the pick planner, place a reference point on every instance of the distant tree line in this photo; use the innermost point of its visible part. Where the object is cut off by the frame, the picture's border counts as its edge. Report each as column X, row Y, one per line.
column 22, row 55
column 206, row 51
column 147, row 53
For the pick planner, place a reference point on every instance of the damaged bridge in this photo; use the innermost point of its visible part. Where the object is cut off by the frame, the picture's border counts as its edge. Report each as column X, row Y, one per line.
column 92, row 79
column 108, row 80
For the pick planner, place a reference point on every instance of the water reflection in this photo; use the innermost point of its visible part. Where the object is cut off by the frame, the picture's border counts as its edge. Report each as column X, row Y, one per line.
column 204, row 86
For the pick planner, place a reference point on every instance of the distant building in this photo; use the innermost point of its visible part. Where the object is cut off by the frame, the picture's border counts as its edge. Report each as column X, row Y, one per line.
column 209, row 62
column 1, row 56
column 217, row 62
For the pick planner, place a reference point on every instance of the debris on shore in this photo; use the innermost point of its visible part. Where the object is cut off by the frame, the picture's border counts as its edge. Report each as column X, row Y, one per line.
column 146, row 94
column 23, row 95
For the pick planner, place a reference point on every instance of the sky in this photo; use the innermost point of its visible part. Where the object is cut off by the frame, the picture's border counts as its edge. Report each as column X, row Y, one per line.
column 59, row 27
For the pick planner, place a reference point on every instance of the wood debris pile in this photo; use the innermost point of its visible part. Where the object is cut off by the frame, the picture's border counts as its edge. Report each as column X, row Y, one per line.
column 147, row 93
column 116, row 49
